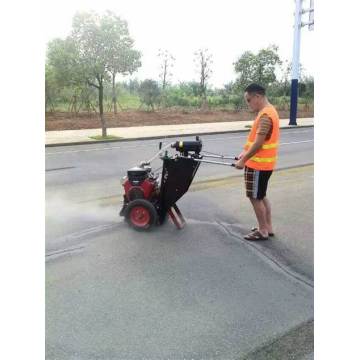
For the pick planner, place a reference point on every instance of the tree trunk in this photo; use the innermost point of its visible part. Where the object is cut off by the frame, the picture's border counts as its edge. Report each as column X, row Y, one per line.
column 114, row 93
column 204, row 104
column 47, row 102
column 101, row 109
column 285, row 87
column 164, row 77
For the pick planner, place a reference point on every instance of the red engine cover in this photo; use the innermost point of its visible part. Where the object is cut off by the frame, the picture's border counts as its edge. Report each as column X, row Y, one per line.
column 147, row 187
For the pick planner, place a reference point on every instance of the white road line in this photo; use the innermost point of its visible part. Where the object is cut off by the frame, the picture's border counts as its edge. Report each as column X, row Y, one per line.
column 156, row 143
column 297, row 142
column 244, row 136
column 100, row 149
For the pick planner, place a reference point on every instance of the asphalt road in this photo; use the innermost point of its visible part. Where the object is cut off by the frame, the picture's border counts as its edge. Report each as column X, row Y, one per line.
column 199, row 293
column 74, row 164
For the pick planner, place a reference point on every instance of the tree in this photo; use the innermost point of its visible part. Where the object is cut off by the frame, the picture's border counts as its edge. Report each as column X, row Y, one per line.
column 259, row 68
column 63, row 60
column 93, row 47
column 167, row 62
column 285, row 80
column 286, row 68
column 51, row 88
column 149, row 92
column 133, row 86
column 63, row 69
column 307, row 90
column 97, row 45
column 190, row 88
column 121, row 58
column 203, row 61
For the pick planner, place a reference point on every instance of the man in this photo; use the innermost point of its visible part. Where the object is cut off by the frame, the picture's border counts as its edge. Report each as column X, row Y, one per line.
column 259, row 158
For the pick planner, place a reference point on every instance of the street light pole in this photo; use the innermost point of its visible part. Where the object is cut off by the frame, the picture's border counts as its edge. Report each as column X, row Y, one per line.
column 296, row 54
column 295, row 63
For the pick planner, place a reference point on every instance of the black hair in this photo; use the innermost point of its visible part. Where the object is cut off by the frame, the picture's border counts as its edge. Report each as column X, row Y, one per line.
column 255, row 89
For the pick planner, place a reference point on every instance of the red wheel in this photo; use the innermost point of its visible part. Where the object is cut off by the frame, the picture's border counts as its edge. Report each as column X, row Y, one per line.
column 141, row 214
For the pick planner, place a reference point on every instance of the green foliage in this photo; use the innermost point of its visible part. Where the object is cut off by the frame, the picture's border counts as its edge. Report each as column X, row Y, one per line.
column 149, row 93
column 237, row 101
column 191, row 88
column 63, row 63
column 129, row 101
column 280, row 102
column 93, row 45
column 101, row 45
column 132, row 86
column 121, row 57
column 307, row 88
column 98, row 46
column 51, row 89
column 186, row 94
column 67, row 79
column 259, row 68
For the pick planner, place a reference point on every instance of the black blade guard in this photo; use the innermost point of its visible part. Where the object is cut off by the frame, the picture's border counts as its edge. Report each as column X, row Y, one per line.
column 177, row 176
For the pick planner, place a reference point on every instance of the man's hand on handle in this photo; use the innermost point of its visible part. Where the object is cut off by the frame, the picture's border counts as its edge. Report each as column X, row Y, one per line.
column 240, row 164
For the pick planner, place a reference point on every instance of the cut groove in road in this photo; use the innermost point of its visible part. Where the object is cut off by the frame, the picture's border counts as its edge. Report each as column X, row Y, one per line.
column 60, row 168
column 270, row 259
column 75, row 237
column 88, row 231
column 294, row 344
column 51, row 255
column 92, row 230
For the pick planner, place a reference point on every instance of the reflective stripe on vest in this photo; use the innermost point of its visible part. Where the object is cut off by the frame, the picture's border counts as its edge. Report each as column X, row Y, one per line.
column 263, row 160
column 265, row 146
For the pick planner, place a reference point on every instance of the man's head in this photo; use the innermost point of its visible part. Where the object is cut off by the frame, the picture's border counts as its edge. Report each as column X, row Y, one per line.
column 255, row 97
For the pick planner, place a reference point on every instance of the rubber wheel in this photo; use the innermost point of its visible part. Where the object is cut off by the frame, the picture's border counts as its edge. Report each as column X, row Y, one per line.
column 141, row 214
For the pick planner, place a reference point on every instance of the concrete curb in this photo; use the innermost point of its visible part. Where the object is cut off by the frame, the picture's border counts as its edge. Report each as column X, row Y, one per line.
column 167, row 136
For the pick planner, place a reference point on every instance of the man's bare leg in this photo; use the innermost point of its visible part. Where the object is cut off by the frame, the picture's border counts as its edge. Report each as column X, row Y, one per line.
column 268, row 214
column 260, row 212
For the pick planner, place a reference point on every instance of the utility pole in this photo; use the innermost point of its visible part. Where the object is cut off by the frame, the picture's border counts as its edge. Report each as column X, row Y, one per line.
column 296, row 54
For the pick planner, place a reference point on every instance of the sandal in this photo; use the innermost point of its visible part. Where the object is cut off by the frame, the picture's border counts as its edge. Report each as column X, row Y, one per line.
column 256, row 229
column 255, row 235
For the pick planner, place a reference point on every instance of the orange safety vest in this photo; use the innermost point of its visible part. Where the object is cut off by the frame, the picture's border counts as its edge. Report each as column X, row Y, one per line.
column 265, row 158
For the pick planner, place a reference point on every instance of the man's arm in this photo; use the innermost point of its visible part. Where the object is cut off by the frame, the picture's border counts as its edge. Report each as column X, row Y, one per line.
column 254, row 148
column 259, row 140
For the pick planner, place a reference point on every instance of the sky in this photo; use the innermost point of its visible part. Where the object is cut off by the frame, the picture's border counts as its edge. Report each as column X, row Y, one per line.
column 226, row 28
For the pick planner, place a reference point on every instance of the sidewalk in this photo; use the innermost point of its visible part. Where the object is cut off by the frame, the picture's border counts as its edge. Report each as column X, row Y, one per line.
column 74, row 137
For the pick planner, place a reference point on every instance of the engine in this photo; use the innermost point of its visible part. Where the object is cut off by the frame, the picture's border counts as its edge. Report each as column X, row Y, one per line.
column 140, row 183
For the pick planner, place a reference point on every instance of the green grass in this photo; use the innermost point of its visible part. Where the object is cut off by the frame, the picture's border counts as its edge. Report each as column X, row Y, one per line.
column 127, row 101
column 108, row 137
